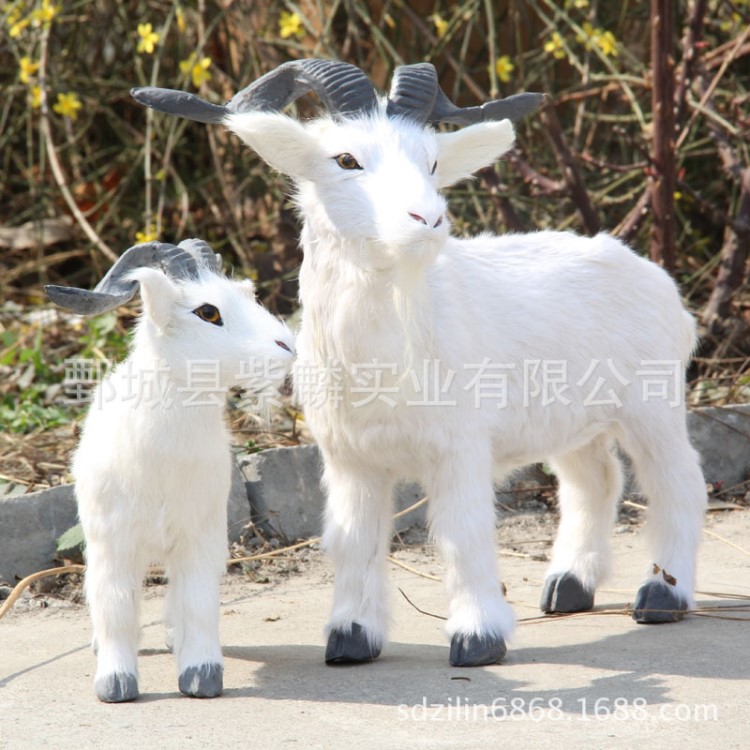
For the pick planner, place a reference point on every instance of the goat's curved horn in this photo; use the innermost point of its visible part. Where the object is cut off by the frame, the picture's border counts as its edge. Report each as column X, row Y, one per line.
column 416, row 94
column 344, row 90
column 177, row 261
column 188, row 259
column 414, row 89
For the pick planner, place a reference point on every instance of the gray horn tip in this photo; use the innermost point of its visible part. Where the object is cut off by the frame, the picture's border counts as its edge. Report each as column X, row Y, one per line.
column 85, row 302
column 514, row 107
column 180, row 104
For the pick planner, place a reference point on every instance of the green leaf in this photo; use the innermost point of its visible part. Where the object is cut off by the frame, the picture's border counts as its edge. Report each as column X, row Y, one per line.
column 71, row 543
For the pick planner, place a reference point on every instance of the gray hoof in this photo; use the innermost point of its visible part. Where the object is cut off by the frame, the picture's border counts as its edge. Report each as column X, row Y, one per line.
column 476, row 650
column 564, row 593
column 204, row 681
column 350, row 648
column 117, row 687
column 657, row 602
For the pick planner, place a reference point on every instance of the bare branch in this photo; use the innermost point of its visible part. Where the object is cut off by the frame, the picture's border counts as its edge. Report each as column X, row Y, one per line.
column 736, row 246
column 511, row 218
column 630, row 225
column 538, row 180
column 690, row 38
column 571, row 174
column 662, row 247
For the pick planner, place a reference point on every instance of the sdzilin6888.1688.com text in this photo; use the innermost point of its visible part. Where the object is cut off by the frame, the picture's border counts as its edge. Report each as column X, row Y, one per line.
column 555, row 709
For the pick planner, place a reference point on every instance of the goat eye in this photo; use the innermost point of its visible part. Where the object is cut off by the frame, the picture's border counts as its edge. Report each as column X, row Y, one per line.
column 347, row 161
column 210, row 314
column 434, row 167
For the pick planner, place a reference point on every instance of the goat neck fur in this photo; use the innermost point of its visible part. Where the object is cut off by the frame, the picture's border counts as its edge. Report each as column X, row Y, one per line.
column 153, row 469
column 401, row 320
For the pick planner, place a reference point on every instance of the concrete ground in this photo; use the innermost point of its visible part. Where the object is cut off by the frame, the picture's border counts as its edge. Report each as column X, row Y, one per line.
column 597, row 680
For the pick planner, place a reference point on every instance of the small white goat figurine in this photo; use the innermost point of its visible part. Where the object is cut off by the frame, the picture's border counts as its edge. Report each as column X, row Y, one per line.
column 153, row 466
column 456, row 361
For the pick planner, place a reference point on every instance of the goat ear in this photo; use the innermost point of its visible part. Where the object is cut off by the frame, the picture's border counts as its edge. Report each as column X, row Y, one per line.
column 462, row 153
column 280, row 141
column 158, row 293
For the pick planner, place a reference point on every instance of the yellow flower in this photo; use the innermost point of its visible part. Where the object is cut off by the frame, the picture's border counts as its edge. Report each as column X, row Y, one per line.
column 179, row 15
column 441, row 25
column 45, row 13
column 35, row 98
column 68, row 105
column 17, row 26
column 504, row 67
column 290, row 24
column 28, row 69
column 554, row 46
column 607, row 43
column 197, row 68
column 604, row 40
column 148, row 38
column 580, row 4
column 149, row 234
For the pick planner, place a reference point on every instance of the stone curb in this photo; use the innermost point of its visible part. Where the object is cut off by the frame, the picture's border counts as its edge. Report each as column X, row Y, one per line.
column 283, row 488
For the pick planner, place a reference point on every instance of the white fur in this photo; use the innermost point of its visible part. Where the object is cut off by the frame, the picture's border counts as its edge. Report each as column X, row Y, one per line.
column 379, row 286
column 152, row 469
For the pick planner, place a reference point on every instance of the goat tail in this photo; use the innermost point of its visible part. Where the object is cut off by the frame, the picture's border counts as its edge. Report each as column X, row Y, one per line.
column 689, row 336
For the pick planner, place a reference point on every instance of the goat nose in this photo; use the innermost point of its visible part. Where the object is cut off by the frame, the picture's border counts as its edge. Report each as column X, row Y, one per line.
column 283, row 346
column 424, row 221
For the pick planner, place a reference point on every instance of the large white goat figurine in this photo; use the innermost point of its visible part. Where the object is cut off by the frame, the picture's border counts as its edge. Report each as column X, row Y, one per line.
column 153, row 466
column 454, row 361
